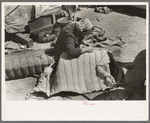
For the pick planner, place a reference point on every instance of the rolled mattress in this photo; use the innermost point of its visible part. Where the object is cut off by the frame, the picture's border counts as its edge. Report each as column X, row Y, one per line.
column 24, row 64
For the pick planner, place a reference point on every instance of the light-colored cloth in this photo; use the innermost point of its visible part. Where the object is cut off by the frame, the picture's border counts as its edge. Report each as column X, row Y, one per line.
column 44, row 10
column 44, row 81
column 17, row 17
column 84, row 25
column 78, row 75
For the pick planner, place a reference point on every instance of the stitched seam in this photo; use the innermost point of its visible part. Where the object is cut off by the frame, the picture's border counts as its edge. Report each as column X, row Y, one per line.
column 78, row 74
column 12, row 69
column 96, row 70
column 59, row 80
column 65, row 75
column 90, row 72
column 20, row 67
column 84, row 73
column 72, row 74
column 27, row 66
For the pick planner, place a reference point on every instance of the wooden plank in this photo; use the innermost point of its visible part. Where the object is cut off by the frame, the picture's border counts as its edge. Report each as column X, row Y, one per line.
column 22, row 39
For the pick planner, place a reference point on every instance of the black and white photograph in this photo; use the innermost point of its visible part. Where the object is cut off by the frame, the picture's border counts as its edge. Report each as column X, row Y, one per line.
column 89, row 53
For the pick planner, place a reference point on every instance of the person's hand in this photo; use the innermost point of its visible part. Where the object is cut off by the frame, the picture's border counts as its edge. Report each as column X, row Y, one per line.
column 110, row 80
column 82, row 46
column 87, row 49
column 90, row 49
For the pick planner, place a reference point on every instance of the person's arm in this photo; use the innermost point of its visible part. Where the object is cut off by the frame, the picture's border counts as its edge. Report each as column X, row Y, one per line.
column 75, row 52
column 104, row 74
column 70, row 47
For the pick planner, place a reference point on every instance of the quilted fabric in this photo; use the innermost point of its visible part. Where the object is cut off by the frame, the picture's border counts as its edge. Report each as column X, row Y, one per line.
column 24, row 64
column 79, row 74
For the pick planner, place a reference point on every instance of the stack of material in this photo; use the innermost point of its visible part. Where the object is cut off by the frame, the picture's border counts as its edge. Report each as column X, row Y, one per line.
column 104, row 10
column 97, row 39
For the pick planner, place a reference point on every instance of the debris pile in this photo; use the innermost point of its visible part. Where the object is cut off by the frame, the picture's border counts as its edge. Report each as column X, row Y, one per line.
column 104, row 10
column 97, row 39
column 20, row 44
column 35, row 29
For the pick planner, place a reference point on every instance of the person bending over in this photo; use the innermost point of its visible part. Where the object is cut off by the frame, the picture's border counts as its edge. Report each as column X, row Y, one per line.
column 71, row 37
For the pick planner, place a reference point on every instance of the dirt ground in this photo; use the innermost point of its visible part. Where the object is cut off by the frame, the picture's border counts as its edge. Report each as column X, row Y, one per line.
column 131, row 29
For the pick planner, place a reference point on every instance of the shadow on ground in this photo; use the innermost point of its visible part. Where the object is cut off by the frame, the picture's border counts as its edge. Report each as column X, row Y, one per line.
column 139, row 11
column 129, row 10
